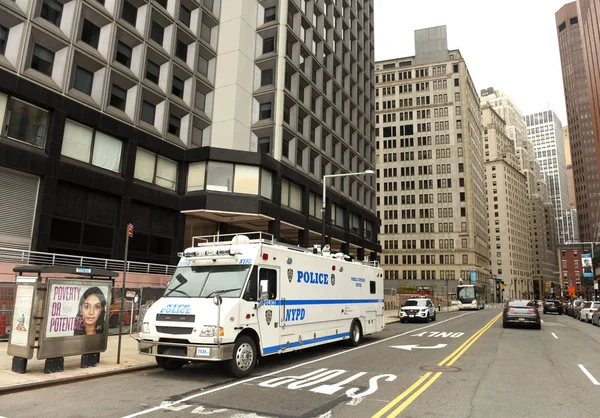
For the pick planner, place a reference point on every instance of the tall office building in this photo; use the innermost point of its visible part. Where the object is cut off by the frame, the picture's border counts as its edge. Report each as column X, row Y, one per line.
column 507, row 208
column 572, row 212
column 184, row 117
column 542, row 226
column 585, row 149
column 546, row 133
column 431, row 190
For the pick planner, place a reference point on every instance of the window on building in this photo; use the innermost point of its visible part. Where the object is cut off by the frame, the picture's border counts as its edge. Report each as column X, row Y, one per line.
column 266, row 184
column 196, row 177
column 157, row 33
column 270, row 14
column 185, row 15
column 315, row 207
column 118, row 97
column 52, row 11
column 291, row 195
column 148, row 112
column 123, row 54
column 155, row 169
column 264, row 145
column 268, row 45
column 181, row 50
column 3, row 39
column 129, row 12
column 174, row 125
column 92, row 147
column 42, row 59
column 177, row 87
column 266, row 77
column 152, row 71
column 25, row 122
column 265, row 111
column 90, row 34
column 83, row 80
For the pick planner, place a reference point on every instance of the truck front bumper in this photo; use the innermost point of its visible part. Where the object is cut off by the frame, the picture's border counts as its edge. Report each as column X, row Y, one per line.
column 185, row 351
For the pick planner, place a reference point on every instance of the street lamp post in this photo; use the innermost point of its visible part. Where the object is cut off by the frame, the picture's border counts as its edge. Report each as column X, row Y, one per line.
column 324, row 208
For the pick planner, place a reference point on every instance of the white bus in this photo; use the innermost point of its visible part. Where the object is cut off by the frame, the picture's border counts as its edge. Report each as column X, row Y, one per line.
column 470, row 297
column 235, row 298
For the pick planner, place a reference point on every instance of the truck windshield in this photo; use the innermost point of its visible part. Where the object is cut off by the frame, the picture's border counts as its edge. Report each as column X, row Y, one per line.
column 202, row 281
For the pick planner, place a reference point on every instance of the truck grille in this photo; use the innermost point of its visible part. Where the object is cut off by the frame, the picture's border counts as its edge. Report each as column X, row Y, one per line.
column 174, row 330
column 411, row 311
column 176, row 318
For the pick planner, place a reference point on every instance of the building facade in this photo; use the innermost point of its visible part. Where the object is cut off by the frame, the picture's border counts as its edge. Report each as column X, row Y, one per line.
column 541, row 218
column 507, row 208
column 546, row 134
column 571, row 270
column 585, row 149
column 185, row 118
column 431, row 190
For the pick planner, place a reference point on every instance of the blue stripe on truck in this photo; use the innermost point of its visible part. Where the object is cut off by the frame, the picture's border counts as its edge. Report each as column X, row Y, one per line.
column 292, row 344
column 278, row 302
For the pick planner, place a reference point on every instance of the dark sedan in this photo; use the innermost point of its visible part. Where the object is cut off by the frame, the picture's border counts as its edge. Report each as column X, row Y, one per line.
column 552, row 305
column 521, row 311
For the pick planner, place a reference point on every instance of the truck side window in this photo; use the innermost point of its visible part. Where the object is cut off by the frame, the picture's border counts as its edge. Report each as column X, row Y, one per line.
column 372, row 286
column 268, row 279
column 251, row 292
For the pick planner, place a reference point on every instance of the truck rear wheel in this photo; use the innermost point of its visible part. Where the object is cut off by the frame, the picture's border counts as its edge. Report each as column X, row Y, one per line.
column 355, row 334
column 244, row 357
column 166, row 363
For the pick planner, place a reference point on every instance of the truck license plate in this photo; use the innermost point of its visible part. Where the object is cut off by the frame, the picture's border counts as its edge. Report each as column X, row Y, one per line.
column 521, row 319
column 203, row 351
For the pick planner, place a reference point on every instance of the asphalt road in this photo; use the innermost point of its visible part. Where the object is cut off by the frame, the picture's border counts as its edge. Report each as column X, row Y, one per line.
column 463, row 365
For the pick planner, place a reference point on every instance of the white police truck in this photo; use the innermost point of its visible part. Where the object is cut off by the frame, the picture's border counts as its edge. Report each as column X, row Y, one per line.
column 235, row 298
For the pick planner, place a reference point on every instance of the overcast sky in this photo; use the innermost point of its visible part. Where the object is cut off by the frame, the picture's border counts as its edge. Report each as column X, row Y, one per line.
column 510, row 45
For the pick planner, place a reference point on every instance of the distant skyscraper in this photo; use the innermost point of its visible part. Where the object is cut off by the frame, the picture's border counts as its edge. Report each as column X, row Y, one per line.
column 431, row 190
column 546, row 133
column 569, row 162
column 585, row 149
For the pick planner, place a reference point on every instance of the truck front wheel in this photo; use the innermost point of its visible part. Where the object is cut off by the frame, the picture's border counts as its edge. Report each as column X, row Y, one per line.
column 244, row 357
column 166, row 363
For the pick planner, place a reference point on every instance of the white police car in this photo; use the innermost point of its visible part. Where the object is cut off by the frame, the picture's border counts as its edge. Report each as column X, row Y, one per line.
column 417, row 310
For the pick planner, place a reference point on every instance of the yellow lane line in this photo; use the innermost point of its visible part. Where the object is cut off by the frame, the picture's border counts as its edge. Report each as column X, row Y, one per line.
column 449, row 360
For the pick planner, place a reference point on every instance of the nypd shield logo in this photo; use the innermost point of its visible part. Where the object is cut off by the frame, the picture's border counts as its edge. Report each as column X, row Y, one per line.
column 290, row 275
column 333, row 279
column 268, row 316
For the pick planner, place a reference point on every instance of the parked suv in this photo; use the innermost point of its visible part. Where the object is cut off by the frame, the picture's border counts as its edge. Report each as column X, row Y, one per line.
column 553, row 305
column 418, row 310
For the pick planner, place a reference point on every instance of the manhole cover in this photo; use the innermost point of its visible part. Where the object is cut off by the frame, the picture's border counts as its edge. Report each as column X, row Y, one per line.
column 440, row 369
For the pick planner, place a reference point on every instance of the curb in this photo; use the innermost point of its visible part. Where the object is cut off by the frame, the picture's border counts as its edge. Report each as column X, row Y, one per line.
column 61, row 381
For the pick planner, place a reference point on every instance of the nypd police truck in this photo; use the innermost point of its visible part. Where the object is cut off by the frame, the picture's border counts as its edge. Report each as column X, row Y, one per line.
column 239, row 297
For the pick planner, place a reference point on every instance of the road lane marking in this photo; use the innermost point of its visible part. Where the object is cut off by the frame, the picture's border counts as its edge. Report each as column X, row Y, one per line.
column 554, row 335
column 589, row 375
column 411, row 346
column 448, row 361
column 251, row 379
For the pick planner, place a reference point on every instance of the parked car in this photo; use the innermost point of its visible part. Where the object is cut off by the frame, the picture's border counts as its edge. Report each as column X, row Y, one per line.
column 588, row 310
column 596, row 318
column 417, row 310
column 552, row 305
column 576, row 308
column 521, row 311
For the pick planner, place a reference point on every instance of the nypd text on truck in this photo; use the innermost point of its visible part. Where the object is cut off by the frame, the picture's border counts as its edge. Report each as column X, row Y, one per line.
column 234, row 298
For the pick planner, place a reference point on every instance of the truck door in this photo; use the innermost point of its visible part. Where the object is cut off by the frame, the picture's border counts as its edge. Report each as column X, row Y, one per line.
column 268, row 308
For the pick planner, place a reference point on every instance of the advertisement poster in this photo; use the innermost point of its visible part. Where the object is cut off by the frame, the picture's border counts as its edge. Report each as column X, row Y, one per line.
column 76, row 309
column 586, row 262
column 22, row 315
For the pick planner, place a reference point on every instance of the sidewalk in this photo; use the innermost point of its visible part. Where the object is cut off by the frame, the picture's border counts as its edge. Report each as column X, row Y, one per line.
column 131, row 360
column 35, row 376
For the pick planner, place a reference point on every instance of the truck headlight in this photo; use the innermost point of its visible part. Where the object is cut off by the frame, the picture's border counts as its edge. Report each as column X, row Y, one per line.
column 145, row 327
column 211, row 331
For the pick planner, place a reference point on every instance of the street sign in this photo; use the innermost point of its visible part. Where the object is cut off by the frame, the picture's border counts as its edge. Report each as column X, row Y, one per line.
column 571, row 290
column 473, row 276
column 130, row 294
column 130, row 230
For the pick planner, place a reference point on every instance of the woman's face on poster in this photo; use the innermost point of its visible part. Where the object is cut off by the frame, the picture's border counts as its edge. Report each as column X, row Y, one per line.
column 91, row 309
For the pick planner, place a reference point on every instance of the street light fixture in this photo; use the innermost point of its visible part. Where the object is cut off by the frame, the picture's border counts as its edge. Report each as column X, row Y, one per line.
column 323, row 209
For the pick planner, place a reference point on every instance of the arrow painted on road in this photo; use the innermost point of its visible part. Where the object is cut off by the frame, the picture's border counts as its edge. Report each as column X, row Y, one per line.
column 410, row 347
